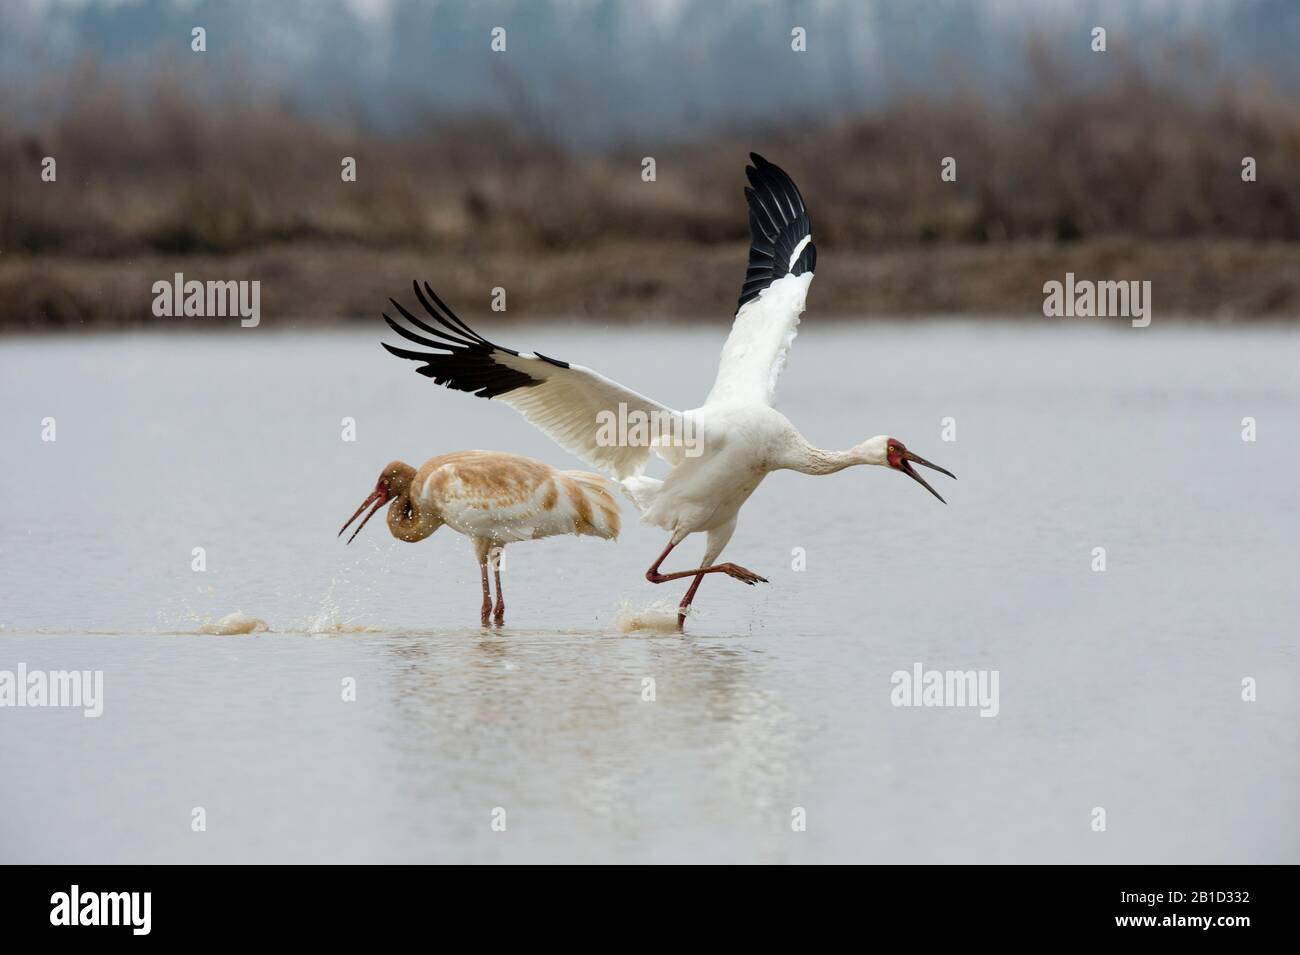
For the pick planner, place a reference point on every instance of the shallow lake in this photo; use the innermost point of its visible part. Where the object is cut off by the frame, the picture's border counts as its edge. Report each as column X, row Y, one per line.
column 1118, row 689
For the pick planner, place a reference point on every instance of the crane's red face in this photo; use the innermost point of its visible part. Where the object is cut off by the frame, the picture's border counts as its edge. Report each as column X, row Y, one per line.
column 900, row 459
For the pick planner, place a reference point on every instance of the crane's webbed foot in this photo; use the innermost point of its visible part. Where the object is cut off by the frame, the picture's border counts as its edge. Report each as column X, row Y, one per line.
column 742, row 574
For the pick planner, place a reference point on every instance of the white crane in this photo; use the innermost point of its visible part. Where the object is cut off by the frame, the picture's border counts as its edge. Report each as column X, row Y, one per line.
column 719, row 452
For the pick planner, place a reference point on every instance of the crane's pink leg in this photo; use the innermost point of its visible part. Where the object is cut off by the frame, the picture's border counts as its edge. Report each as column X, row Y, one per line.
column 685, row 606
column 499, row 615
column 487, row 596
column 731, row 570
column 653, row 572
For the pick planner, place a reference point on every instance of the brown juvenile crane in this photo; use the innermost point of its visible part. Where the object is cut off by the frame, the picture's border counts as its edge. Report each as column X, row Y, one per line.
column 494, row 499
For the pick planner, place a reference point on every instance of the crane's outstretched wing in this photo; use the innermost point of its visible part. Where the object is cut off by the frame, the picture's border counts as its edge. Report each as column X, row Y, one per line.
column 572, row 404
column 781, row 262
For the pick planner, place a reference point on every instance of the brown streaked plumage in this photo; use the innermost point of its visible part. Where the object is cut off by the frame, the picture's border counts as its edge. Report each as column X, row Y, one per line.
column 494, row 499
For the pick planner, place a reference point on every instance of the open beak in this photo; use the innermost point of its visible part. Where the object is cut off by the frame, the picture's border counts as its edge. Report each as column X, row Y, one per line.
column 377, row 497
column 906, row 468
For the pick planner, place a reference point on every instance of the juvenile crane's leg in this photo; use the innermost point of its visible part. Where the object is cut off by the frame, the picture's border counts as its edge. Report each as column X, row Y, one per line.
column 487, row 596
column 499, row 615
column 481, row 551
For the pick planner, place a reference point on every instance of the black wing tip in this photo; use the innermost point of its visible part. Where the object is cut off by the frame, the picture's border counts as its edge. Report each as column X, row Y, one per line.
column 778, row 222
column 553, row 361
column 460, row 359
column 406, row 354
column 768, row 181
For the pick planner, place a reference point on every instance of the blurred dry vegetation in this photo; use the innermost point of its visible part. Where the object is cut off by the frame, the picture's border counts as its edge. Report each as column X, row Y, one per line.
column 1139, row 178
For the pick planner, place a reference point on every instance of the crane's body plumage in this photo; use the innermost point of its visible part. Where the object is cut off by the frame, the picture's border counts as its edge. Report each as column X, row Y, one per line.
column 494, row 499
column 503, row 498
column 741, row 443
column 737, row 436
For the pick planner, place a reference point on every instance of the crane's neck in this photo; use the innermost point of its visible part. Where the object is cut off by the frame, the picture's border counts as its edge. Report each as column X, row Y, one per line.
column 808, row 459
column 818, row 461
column 408, row 519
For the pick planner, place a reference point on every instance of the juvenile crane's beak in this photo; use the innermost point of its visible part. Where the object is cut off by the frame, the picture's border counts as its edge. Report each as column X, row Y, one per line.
column 907, row 469
column 377, row 497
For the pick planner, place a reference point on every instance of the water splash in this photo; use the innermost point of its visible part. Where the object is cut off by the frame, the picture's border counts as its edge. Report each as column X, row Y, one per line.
column 331, row 618
column 659, row 616
column 233, row 623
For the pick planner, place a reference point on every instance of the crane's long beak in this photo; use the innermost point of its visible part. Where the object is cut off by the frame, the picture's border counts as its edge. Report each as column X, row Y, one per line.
column 907, row 469
column 377, row 497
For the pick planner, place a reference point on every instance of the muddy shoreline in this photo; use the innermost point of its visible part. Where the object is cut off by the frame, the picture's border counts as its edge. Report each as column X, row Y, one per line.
column 303, row 285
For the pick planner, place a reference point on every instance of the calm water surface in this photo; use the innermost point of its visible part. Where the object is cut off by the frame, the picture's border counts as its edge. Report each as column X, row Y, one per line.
column 1119, row 689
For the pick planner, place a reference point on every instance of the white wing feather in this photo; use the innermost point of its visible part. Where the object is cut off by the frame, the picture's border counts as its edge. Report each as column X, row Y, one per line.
column 755, row 353
column 575, row 407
